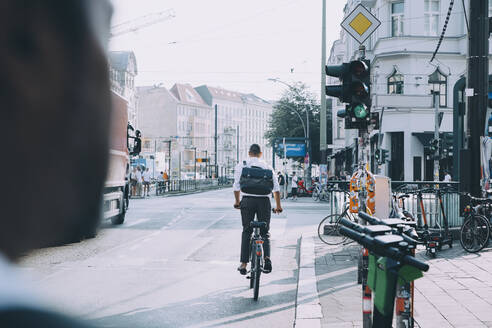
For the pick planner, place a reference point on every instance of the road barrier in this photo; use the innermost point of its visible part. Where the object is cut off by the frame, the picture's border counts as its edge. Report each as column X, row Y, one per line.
column 182, row 186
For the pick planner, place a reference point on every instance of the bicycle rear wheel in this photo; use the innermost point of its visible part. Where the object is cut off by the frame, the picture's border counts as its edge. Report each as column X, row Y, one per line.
column 315, row 195
column 257, row 274
column 329, row 230
column 475, row 233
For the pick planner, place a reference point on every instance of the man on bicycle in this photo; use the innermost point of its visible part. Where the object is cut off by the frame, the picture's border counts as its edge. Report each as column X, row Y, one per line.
column 253, row 204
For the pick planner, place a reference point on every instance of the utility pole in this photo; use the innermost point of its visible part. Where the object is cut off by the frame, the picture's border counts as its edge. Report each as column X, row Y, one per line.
column 169, row 166
column 194, row 177
column 215, row 139
column 436, row 135
column 323, row 86
column 478, row 72
column 237, row 142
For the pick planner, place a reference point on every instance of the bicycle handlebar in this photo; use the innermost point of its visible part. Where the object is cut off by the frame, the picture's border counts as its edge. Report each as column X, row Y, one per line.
column 386, row 251
column 359, row 228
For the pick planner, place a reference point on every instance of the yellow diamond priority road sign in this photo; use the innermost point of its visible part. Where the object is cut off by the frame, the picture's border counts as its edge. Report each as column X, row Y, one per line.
column 360, row 23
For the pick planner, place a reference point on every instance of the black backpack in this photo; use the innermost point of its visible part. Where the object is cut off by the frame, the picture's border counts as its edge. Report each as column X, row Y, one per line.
column 256, row 181
column 281, row 180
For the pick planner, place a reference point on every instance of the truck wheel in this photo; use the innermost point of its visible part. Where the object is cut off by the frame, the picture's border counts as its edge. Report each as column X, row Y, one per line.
column 120, row 218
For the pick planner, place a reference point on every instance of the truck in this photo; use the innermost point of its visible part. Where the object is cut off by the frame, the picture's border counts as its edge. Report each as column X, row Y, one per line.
column 123, row 143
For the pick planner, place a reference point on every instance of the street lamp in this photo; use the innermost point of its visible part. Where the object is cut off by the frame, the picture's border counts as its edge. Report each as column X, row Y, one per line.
column 306, row 130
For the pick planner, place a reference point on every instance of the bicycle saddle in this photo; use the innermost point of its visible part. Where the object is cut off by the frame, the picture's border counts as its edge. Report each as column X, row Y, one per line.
column 403, row 196
column 256, row 224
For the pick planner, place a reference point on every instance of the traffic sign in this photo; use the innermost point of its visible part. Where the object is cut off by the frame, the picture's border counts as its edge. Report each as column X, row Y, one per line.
column 360, row 23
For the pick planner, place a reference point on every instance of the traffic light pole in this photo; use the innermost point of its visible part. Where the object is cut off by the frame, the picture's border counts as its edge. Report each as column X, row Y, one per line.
column 478, row 71
column 436, row 135
column 322, row 123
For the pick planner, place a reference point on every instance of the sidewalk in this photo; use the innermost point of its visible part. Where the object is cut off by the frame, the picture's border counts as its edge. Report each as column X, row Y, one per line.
column 455, row 292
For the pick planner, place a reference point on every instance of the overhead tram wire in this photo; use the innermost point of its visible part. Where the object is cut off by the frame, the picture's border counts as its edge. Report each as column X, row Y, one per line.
column 443, row 30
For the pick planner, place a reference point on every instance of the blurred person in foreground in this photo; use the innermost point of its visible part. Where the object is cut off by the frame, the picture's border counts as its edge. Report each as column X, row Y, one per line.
column 55, row 111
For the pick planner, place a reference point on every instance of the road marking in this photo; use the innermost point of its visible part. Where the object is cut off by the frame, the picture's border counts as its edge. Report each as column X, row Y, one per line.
column 207, row 240
column 136, row 222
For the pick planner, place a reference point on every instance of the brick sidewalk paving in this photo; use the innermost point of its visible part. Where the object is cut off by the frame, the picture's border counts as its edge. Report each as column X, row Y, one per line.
column 455, row 292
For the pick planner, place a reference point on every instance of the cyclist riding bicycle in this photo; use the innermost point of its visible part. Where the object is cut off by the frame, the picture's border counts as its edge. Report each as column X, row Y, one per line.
column 255, row 180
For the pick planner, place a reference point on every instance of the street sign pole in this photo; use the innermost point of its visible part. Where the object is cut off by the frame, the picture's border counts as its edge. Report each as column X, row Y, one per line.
column 436, row 134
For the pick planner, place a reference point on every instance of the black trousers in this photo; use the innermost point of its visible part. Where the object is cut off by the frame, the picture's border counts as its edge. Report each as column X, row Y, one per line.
column 261, row 207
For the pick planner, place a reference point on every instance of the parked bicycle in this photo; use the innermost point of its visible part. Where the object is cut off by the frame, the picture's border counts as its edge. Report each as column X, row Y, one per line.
column 432, row 238
column 476, row 229
column 329, row 227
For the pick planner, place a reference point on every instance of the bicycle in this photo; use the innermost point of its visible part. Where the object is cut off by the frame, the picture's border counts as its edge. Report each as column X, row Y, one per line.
column 329, row 227
column 256, row 257
column 475, row 231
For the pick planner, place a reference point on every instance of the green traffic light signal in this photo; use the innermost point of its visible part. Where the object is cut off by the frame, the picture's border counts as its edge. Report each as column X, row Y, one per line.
column 360, row 111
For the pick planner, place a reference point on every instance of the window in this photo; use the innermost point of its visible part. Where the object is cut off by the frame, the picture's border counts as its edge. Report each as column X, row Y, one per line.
column 438, row 83
column 397, row 18
column 395, row 83
column 431, row 17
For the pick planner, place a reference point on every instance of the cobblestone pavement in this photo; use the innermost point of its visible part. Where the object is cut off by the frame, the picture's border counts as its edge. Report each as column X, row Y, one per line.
column 455, row 292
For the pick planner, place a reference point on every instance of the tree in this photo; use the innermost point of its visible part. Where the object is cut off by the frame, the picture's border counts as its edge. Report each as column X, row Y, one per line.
column 285, row 123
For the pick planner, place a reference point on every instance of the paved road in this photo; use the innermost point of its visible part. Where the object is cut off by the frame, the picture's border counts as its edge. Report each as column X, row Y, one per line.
column 173, row 264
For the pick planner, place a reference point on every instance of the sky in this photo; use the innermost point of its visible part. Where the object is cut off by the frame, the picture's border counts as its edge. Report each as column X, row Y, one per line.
column 237, row 45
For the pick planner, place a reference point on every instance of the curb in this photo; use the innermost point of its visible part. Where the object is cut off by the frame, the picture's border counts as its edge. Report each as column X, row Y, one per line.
column 308, row 308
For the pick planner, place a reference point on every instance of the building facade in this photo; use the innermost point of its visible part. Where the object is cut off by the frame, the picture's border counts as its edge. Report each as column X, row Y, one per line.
column 242, row 119
column 402, row 82
column 122, row 72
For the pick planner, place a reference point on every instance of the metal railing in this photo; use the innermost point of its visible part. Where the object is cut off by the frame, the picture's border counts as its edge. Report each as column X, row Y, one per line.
column 450, row 197
column 173, row 186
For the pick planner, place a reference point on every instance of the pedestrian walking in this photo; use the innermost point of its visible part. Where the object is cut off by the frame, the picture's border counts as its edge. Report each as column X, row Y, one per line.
column 447, row 177
column 293, row 185
column 133, row 181
column 281, row 182
column 146, row 182
column 255, row 201
column 138, row 174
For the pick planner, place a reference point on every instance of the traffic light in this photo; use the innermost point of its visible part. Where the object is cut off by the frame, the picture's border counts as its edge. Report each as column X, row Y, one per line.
column 355, row 91
column 447, row 144
column 384, row 156
column 377, row 155
column 339, row 91
column 360, row 80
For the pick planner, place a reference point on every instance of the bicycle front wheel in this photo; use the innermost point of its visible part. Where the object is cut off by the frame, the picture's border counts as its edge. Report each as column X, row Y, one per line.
column 329, row 230
column 475, row 233
column 256, row 279
column 315, row 195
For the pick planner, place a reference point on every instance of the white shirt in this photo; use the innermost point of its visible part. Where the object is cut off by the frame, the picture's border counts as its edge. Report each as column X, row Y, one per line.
column 447, row 178
column 253, row 161
column 139, row 176
column 146, row 176
column 293, row 183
